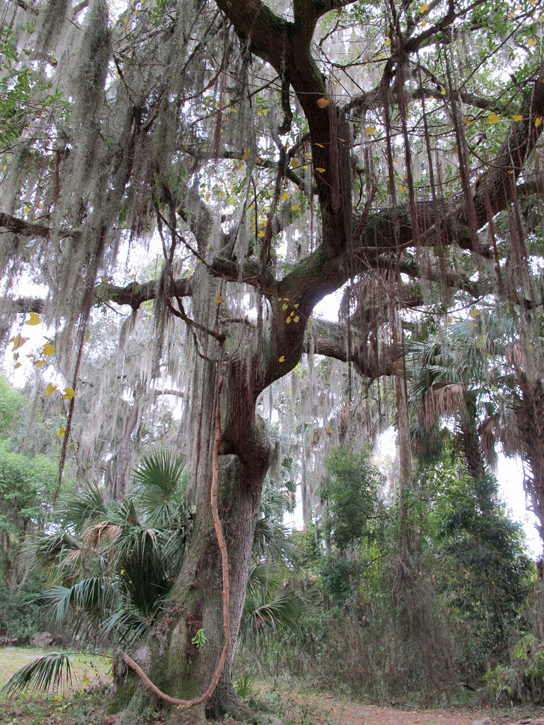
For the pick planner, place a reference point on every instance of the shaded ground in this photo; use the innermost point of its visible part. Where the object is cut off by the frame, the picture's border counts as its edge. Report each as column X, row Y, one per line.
column 323, row 709
column 81, row 704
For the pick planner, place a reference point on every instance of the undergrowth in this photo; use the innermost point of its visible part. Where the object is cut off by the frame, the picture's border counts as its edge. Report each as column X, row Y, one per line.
column 80, row 707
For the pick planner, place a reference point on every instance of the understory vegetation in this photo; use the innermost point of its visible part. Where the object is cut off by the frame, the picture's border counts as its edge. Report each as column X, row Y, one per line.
column 272, row 314
column 445, row 609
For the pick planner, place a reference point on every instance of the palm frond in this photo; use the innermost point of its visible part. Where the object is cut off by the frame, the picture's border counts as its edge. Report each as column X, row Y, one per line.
column 127, row 624
column 51, row 549
column 84, row 508
column 44, row 673
column 159, row 485
column 89, row 594
column 262, row 579
column 267, row 616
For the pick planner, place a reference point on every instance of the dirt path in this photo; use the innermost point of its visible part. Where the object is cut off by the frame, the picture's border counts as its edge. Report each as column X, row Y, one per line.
column 328, row 710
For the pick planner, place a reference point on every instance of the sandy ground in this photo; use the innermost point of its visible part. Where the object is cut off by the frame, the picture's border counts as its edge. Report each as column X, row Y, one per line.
column 327, row 710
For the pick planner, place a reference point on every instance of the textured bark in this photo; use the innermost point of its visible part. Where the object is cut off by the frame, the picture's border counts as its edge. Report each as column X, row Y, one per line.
column 472, row 451
column 168, row 656
column 124, row 448
column 529, row 415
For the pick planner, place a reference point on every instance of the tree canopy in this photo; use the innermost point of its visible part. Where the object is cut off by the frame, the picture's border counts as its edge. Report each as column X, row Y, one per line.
column 213, row 170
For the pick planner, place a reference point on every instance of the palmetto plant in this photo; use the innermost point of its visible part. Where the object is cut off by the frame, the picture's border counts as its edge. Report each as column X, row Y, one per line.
column 486, row 373
column 269, row 605
column 112, row 563
column 454, row 377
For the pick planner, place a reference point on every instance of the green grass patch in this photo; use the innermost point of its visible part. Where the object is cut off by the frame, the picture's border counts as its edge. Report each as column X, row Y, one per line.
column 87, row 669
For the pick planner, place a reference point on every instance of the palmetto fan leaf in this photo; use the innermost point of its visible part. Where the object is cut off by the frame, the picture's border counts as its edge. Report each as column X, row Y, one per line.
column 42, row 674
column 90, row 596
column 127, row 624
column 262, row 616
column 159, row 486
column 53, row 548
column 84, row 508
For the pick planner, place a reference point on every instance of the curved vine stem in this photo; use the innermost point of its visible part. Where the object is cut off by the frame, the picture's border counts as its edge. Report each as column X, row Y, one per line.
column 184, row 704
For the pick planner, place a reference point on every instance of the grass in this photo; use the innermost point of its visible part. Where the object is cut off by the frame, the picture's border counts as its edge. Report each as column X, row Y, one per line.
column 75, row 705
column 86, row 669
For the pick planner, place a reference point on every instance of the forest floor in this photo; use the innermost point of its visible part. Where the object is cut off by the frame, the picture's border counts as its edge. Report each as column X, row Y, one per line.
column 81, row 703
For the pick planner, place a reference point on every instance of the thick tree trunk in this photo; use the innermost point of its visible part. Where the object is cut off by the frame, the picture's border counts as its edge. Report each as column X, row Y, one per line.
column 171, row 659
column 123, row 457
column 530, row 424
column 175, row 663
column 472, row 450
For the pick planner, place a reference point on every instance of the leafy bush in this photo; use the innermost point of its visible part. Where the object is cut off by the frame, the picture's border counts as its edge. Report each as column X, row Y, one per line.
column 523, row 678
column 20, row 608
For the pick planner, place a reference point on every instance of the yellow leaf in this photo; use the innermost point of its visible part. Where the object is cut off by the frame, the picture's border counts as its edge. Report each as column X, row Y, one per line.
column 295, row 207
column 27, row 208
column 423, row 8
column 493, row 118
column 17, row 365
column 39, row 363
column 474, row 313
column 207, row 196
column 245, row 157
column 48, row 349
column 317, row 144
column 61, row 433
column 329, row 430
column 239, row 166
column 261, row 234
column 323, row 102
column 50, row 389
column 297, row 318
column 370, row 130
column 443, row 91
column 257, row 159
column 423, row 23
column 387, row 41
column 282, row 358
column 518, row 117
column 321, row 171
column 284, row 307
column 402, row 188
column 294, row 163
column 288, row 321
column 68, row 393
column 538, row 121
column 18, row 341
column 532, row 43
column 217, row 299
column 284, row 196
column 34, row 319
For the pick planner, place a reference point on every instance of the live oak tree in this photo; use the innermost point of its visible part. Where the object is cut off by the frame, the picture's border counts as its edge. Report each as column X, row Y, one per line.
column 273, row 152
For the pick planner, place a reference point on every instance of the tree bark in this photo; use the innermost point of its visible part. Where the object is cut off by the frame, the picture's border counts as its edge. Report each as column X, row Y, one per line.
column 168, row 655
